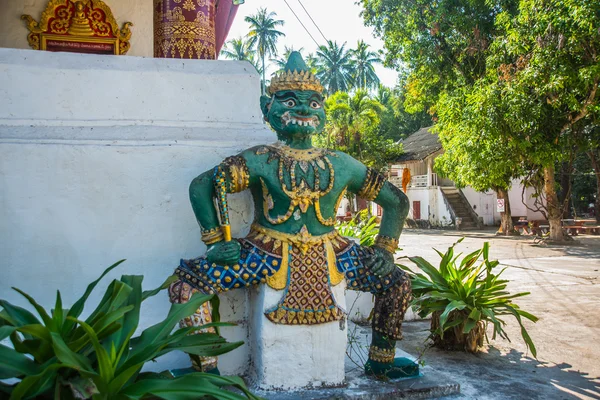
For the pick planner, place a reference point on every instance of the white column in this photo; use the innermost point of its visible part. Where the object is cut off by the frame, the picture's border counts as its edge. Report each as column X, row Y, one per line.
column 295, row 356
column 429, row 172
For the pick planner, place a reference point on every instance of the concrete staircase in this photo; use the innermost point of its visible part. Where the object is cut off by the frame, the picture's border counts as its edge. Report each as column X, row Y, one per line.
column 460, row 208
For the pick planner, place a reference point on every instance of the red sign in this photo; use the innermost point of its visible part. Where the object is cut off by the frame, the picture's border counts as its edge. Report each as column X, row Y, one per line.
column 80, row 47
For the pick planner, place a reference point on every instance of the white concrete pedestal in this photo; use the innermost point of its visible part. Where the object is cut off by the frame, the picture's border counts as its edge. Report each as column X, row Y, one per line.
column 295, row 356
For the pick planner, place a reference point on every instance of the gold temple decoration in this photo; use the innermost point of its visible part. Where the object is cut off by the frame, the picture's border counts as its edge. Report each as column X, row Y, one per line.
column 86, row 26
column 288, row 80
column 386, row 243
column 372, row 185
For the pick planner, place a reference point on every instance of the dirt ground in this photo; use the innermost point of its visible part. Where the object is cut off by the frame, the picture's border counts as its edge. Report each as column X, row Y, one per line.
column 564, row 282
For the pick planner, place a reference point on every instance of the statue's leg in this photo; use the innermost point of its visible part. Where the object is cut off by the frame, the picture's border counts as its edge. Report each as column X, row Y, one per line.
column 255, row 266
column 392, row 296
column 181, row 292
column 390, row 306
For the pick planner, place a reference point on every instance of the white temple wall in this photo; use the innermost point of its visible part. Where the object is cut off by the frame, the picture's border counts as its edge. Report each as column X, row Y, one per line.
column 13, row 30
column 96, row 156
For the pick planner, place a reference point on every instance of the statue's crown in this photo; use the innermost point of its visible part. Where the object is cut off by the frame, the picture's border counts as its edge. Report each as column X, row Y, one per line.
column 295, row 76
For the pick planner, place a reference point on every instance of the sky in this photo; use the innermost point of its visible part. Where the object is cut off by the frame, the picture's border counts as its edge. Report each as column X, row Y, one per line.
column 339, row 21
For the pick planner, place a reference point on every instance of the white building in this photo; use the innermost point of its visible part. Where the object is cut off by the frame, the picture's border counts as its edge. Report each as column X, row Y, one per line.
column 437, row 202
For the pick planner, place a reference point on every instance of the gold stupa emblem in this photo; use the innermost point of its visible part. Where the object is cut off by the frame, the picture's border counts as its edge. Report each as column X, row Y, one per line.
column 80, row 26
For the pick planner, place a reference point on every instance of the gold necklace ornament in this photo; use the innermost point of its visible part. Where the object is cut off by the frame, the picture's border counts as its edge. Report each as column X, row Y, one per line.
column 301, row 195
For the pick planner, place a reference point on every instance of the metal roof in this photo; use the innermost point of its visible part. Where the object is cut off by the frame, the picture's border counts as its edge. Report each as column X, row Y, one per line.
column 419, row 145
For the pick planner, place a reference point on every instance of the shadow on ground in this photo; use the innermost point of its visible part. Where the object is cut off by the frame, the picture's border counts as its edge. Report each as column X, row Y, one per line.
column 498, row 374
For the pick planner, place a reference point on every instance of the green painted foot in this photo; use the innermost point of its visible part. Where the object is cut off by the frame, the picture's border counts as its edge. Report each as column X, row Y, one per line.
column 400, row 368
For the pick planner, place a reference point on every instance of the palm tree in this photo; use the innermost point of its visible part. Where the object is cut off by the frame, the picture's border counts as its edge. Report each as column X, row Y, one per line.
column 236, row 49
column 239, row 49
column 349, row 117
column 362, row 61
column 311, row 62
column 334, row 67
column 282, row 61
column 263, row 36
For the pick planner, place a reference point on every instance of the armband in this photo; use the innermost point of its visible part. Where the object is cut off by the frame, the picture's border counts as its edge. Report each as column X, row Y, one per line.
column 372, row 185
column 386, row 243
column 238, row 173
column 212, row 236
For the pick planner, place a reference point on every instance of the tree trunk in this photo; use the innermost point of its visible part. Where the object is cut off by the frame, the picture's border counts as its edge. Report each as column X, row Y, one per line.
column 506, row 217
column 566, row 169
column 552, row 205
column 595, row 158
column 264, row 82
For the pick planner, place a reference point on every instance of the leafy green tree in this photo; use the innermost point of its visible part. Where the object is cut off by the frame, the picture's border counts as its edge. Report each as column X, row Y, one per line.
column 396, row 123
column 353, row 127
column 239, row 49
column 478, row 150
column 444, row 46
column 441, row 43
column 592, row 147
column 546, row 73
column 263, row 36
column 363, row 61
column 334, row 67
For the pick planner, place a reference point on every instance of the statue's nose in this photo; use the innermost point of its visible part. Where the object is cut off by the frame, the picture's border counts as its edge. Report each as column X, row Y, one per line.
column 303, row 110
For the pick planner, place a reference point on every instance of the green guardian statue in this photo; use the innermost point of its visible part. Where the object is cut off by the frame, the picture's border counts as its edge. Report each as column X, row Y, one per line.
column 293, row 245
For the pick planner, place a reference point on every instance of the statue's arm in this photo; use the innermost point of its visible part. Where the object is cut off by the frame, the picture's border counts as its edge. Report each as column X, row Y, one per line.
column 202, row 193
column 370, row 185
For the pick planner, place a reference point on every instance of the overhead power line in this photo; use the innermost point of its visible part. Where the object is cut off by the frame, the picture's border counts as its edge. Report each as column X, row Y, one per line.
column 311, row 36
column 313, row 21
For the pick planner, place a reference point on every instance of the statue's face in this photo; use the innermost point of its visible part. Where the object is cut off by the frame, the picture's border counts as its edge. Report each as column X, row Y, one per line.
column 295, row 113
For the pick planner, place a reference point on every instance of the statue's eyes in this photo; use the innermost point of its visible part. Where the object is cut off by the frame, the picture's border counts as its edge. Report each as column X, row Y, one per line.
column 289, row 103
column 315, row 104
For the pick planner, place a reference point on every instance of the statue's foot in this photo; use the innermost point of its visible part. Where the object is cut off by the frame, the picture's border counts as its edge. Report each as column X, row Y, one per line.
column 400, row 368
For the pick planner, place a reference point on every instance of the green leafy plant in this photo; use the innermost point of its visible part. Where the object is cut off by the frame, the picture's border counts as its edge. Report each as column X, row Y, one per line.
column 463, row 298
column 60, row 355
column 360, row 227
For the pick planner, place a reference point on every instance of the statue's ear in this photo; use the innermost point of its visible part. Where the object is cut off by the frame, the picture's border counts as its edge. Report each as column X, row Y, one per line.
column 265, row 105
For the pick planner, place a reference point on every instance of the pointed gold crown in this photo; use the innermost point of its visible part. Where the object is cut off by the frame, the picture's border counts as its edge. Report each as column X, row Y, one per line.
column 295, row 76
column 288, row 80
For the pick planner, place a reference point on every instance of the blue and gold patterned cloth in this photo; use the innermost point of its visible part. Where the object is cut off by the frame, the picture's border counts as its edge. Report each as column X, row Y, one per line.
column 303, row 266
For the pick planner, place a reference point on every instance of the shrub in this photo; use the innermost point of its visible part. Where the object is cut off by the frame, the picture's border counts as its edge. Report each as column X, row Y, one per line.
column 63, row 356
column 363, row 229
column 463, row 298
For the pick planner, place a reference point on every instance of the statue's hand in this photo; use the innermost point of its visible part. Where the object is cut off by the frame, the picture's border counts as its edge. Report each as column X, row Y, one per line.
column 381, row 262
column 224, row 253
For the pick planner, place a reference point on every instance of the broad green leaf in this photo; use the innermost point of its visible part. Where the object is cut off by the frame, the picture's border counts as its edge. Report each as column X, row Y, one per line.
column 41, row 311
column 5, row 331
column 58, row 312
column 69, row 357
column 14, row 364
column 77, row 308
column 454, row 305
column 15, row 315
column 130, row 320
column 191, row 386
column 104, row 365
column 34, row 385
column 469, row 325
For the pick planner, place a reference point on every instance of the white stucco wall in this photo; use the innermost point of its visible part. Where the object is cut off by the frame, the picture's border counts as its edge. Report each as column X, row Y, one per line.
column 96, row 155
column 13, row 30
